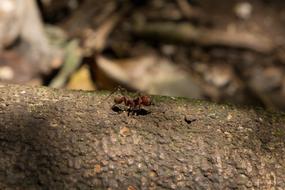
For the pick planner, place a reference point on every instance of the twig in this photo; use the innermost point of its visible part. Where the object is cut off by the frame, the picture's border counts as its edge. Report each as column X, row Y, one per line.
column 187, row 34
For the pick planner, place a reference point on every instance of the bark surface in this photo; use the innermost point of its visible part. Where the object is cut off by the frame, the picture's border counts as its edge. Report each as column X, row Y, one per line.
column 57, row 139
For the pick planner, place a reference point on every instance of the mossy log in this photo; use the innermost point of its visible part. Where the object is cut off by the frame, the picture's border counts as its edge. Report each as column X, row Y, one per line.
column 59, row 139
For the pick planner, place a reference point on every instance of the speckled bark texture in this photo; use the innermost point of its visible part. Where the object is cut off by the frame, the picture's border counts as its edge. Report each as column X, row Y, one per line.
column 56, row 139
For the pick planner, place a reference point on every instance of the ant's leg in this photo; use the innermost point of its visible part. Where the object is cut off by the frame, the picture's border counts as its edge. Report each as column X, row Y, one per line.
column 133, row 109
column 130, row 111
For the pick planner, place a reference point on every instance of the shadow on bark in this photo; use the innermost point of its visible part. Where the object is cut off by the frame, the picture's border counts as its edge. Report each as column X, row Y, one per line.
column 34, row 153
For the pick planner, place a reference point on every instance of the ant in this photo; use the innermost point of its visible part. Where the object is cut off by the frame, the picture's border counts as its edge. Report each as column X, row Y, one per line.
column 134, row 104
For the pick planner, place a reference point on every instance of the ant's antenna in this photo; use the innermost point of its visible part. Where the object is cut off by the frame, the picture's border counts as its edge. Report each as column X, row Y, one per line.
column 118, row 88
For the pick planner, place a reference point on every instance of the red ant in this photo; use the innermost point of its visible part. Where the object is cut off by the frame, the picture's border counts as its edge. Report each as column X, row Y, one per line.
column 134, row 104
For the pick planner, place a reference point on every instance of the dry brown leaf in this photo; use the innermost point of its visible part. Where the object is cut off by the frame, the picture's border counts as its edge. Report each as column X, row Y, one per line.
column 150, row 73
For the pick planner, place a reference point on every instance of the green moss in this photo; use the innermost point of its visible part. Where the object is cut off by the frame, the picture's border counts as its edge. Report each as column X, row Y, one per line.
column 279, row 132
column 177, row 100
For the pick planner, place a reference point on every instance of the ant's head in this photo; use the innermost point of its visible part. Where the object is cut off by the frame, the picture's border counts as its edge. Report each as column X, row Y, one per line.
column 118, row 100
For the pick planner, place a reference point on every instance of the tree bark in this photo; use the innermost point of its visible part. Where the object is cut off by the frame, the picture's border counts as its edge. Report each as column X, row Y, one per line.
column 58, row 139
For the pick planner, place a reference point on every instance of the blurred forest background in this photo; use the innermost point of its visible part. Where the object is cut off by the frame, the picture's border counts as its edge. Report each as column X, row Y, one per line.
column 223, row 51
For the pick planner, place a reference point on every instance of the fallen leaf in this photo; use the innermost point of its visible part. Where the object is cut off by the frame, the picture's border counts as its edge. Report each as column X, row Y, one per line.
column 150, row 73
column 81, row 80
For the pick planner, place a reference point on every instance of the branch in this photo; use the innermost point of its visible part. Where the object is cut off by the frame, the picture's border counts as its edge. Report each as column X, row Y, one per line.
column 187, row 34
column 57, row 139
